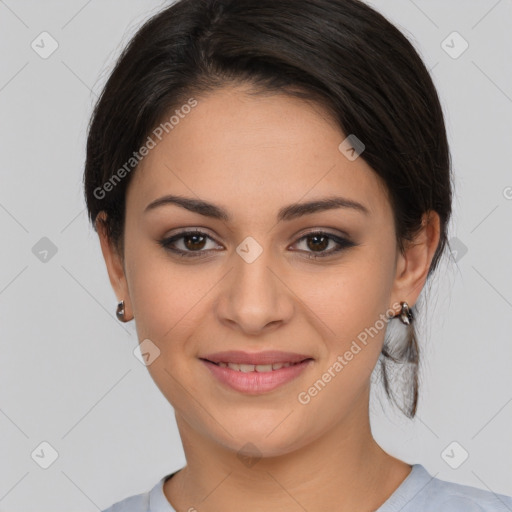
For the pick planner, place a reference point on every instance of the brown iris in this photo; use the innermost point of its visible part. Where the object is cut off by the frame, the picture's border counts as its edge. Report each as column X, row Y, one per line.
column 316, row 245
column 194, row 241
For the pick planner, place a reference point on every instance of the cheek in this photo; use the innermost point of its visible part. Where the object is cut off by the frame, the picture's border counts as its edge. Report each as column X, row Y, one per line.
column 352, row 303
column 163, row 294
column 352, row 296
column 167, row 304
column 354, row 323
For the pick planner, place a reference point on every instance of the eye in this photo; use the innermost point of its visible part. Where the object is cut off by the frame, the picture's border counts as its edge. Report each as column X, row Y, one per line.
column 316, row 243
column 192, row 243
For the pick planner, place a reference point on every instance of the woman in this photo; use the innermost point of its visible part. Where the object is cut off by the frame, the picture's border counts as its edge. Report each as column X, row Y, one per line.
column 270, row 182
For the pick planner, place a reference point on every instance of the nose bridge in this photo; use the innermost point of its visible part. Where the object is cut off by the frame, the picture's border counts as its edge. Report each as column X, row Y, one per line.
column 254, row 296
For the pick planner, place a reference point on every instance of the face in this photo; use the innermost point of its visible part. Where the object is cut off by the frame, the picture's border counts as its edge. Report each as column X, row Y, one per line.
column 263, row 273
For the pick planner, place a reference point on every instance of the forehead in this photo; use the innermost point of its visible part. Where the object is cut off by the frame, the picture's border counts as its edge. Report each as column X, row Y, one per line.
column 253, row 153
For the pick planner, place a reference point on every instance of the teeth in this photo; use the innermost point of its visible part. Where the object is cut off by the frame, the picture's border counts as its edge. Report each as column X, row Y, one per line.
column 261, row 368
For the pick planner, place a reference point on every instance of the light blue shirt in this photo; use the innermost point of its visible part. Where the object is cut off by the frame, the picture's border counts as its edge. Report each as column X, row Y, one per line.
column 419, row 492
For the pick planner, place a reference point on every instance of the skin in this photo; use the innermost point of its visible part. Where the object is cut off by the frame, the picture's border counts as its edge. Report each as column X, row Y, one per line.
column 252, row 155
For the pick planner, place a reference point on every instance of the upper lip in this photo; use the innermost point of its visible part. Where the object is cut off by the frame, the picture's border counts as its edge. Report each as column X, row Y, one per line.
column 255, row 358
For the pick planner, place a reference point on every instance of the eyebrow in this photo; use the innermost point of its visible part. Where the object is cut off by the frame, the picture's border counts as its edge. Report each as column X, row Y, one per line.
column 287, row 213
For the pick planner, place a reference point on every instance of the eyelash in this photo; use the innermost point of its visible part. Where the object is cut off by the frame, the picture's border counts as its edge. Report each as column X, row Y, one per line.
column 166, row 243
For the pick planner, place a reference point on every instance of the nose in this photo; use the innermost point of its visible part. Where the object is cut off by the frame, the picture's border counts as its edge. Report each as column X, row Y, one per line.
column 254, row 297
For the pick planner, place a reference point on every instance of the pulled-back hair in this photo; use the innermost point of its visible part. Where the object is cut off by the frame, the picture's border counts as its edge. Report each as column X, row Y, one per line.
column 340, row 53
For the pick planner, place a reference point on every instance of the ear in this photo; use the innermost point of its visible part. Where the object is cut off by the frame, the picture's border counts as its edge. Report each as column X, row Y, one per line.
column 412, row 266
column 115, row 264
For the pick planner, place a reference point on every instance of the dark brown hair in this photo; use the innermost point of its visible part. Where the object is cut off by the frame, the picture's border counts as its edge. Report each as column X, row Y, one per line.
column 340, row 53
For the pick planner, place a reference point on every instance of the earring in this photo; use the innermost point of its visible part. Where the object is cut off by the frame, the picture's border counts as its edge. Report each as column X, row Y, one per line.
column 120, row 311
column 406, row 315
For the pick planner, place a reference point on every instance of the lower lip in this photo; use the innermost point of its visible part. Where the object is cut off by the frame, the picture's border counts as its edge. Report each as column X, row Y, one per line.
column 254, row 383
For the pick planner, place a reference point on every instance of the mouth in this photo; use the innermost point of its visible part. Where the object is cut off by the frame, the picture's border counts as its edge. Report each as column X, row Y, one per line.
column 255, row 373
column 260, row 368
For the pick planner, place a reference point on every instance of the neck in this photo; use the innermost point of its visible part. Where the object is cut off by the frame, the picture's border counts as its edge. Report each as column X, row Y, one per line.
column 343, row 470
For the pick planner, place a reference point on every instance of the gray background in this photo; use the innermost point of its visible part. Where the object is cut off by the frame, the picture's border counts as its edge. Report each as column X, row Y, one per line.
column 68, row 375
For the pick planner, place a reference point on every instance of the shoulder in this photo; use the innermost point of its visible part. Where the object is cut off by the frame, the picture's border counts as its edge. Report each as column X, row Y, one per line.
column 135, row 503
column 153, row 500
column 429, row 494
column 452, row 496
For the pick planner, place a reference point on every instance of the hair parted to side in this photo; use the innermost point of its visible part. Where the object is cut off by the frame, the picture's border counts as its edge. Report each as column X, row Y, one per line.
column 342, row 54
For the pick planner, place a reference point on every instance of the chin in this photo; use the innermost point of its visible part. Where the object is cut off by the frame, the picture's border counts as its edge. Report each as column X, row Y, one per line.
column 258, row 439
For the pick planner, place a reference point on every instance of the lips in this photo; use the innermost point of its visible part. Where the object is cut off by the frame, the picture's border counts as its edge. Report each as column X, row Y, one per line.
column 241, row 361
column 256, row 379
column 257, row 372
